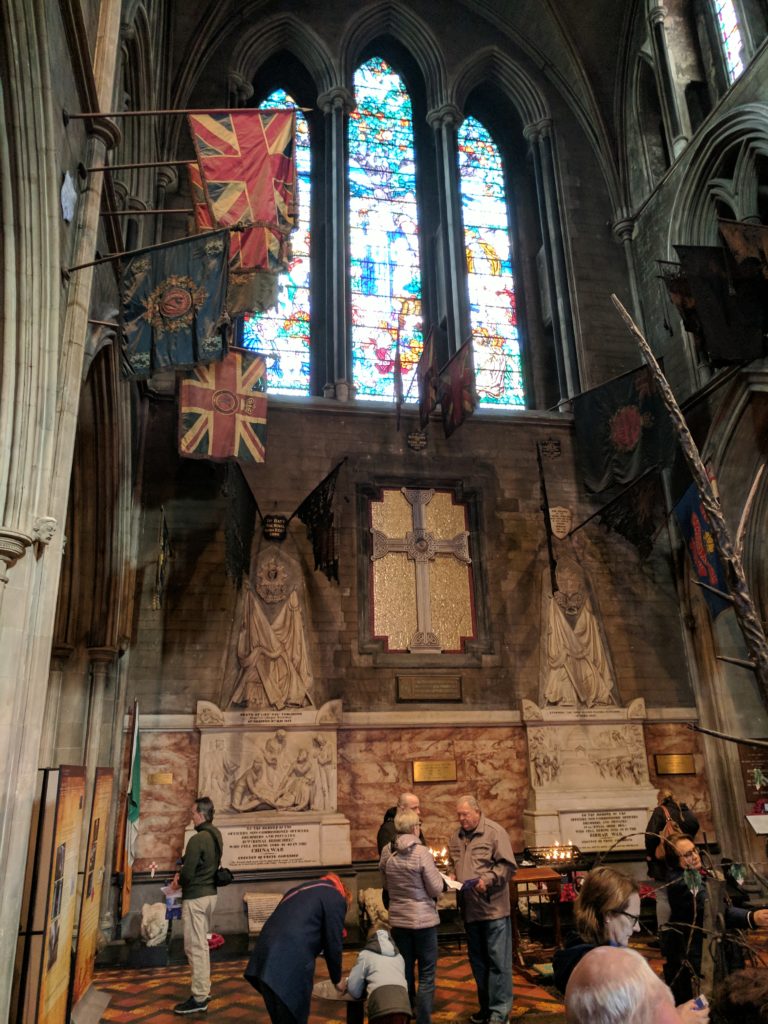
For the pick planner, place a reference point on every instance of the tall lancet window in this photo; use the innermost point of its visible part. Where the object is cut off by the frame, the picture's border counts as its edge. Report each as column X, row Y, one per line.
column 731, row 41
column 282, row 334
column 493, row 311
column 385, row 276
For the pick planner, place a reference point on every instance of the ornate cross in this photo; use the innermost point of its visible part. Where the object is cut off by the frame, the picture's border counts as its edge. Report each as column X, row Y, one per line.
column 421, row 547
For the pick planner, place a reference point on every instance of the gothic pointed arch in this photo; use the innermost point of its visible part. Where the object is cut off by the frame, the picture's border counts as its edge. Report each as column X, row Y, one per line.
column 490, row 65
column 288, row 34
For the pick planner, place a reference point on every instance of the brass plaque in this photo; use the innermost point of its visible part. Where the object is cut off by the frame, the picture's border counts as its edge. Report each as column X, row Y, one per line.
column 161, row 779
column 675, row 764
column 433, row 689
column 434, row 771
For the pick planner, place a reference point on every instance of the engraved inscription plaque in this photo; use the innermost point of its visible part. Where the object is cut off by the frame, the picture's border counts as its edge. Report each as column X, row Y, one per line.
column 674, row 764
column 594, row 831
column 429, row 689
column 434, row 771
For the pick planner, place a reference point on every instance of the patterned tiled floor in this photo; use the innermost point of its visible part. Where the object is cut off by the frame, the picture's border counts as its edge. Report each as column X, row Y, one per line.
column 149, row 995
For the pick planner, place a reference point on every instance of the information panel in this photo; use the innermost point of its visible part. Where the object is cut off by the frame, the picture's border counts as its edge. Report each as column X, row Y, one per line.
column 594, row 831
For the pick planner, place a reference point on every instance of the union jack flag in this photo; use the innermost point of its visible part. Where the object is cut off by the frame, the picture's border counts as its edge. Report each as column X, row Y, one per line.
column 457, row 393
column 248, row 168
column 223, row 409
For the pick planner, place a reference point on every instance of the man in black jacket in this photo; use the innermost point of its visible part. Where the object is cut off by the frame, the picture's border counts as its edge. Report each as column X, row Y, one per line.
column 201, row 860
column 668, row 819
column 405, row 802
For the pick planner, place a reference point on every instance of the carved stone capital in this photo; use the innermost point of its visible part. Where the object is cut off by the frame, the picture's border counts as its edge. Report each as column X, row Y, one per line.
column 337, row 98
column 43, row 529
column 168, row 178
column 657, row 14
column 624, row 229
column 239, row 85
column 538, row 129
column 448, row 115
column 102, row 655
column 12, row 547
column 106, row 130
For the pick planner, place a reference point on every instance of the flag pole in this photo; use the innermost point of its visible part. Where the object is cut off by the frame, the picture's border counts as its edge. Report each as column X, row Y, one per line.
column 743, row 605
column 612, row 502
column 94, row 114
column 149, row 248
column 547, row 521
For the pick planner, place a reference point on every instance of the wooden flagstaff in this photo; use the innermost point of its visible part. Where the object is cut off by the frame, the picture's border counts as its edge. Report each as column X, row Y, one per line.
column 746, row 614
column 149, row 248
column 93, row 115
column 145, row 163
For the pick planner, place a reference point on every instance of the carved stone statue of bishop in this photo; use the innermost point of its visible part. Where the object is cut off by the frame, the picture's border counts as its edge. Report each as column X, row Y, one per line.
column 274, row 668
column 576, row 669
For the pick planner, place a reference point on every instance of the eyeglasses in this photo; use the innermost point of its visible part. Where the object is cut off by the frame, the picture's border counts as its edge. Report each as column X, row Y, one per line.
column 688, row 854
column 634, row 918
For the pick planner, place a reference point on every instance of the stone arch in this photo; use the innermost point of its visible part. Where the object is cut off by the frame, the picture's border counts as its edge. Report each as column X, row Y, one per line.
column 694, row 216
column 284, row 32
column 393, row 19
column 494, row 66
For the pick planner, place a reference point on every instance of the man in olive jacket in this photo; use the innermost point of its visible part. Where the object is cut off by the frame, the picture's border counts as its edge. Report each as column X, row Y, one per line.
column 201, row 860
column 483, row 859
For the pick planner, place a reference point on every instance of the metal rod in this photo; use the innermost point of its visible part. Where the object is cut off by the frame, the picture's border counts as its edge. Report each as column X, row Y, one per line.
column 724, row 736
column 146, row 163
column 613, row 501
column 103, row 323
column 90, row 115
column 746, row 614
column 712, row 590
column 143, row 213
column 735, row 661
column 146, row 248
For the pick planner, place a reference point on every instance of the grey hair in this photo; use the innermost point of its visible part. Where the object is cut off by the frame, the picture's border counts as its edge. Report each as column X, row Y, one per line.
column 622, row 990
column 406, row 822
column 204, row 806
column 471, row 800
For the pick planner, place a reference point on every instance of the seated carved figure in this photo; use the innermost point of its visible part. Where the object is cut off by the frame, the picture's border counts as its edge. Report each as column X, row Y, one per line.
column 249, row 792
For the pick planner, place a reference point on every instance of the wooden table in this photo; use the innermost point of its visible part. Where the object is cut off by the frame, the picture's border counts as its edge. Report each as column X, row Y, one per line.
column 527, row 883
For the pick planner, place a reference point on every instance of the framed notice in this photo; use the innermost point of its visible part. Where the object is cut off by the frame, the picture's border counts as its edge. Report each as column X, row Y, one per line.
column 93, row 884
column 754, row 771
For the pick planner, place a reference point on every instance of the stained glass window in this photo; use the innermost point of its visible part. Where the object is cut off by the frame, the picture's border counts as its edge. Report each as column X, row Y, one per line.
column 282, row 334
column 493, row 311
column 385, row 277
column 730, row 37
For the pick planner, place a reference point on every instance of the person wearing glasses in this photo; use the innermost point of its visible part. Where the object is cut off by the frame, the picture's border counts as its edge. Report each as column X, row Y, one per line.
column 689, row 896
column 606, row 913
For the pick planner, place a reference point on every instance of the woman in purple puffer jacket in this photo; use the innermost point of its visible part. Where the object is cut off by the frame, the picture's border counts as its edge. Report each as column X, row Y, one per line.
column 413, row 883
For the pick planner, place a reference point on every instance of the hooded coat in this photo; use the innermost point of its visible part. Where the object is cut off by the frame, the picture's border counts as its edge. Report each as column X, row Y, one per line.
column 380, row 969
column 411, row 877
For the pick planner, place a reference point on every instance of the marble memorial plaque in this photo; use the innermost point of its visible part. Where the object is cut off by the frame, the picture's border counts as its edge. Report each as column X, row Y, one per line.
column 271, row 846
column 594, row 831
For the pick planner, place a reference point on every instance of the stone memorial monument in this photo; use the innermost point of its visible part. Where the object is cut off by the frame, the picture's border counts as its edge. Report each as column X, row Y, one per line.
column 268, row 755
column 587, row 761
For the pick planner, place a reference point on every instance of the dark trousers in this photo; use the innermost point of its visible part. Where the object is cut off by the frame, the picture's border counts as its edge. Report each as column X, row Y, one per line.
column 276, row 1008
column 419, row 946
column 489, row 946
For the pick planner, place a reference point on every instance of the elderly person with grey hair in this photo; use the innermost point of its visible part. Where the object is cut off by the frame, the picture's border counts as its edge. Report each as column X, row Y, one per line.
column 411, row 877
column 483, row 860
column 615, row 985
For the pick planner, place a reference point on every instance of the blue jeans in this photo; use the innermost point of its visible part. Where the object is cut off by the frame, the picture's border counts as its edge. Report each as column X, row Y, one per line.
column 419, row 946
column 489, row 945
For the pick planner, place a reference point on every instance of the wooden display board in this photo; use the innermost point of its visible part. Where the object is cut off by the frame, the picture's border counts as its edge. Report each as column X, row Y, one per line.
column 93, row 884
column 44, row 955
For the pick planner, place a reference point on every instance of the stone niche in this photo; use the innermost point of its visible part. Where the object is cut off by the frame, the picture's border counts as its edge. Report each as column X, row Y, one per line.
column 272, row 775
column 588, row 772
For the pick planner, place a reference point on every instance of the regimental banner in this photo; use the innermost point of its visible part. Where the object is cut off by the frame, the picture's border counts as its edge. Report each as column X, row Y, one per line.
column 93, row 884
column 249, row 290
column 748, row 243
column 700, row 542
column 172, row 304
column 639, row 513
column 456, row 390
column 248, row 167
column 223, row 410
column 622, row 430
column 427, row 375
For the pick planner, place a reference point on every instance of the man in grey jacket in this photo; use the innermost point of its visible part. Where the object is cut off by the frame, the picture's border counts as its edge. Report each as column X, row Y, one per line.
column 483, row 860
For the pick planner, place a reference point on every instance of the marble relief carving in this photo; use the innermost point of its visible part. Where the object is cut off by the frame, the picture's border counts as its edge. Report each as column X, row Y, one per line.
column 279, row 770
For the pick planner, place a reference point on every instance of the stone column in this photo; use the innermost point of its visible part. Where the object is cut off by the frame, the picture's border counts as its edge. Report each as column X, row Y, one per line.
column 167, row 183
column 336, row 105
column 101, row 659
column 452, row 270
column 668, row 93
column 59, row 656
column 540, row 137
column 624, row 231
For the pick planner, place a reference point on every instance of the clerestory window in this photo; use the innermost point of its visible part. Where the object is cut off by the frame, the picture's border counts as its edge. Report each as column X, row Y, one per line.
column 729, row 34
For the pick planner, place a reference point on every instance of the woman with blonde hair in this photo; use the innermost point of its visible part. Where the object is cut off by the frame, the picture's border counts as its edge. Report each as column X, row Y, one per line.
column 411, row 877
